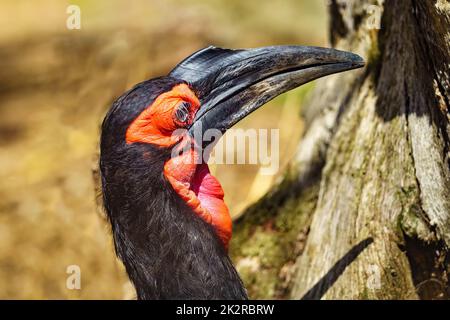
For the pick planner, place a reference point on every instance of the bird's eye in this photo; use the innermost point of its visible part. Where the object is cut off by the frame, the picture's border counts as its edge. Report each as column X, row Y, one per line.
column 182, row 112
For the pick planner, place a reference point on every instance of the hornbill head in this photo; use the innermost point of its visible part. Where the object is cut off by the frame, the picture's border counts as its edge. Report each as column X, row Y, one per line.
column 158, row 192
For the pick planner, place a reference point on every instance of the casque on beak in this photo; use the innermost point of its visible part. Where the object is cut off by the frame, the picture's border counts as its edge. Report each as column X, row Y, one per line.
column 230, row 84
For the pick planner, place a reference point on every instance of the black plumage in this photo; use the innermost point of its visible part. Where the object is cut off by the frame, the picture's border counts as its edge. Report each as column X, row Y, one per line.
column 167, row 250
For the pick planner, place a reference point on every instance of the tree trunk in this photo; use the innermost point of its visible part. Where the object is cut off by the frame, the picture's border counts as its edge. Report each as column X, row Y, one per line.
column 364, row 209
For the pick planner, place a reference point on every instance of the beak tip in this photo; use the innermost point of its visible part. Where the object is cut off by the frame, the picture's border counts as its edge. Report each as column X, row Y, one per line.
column 357, row 61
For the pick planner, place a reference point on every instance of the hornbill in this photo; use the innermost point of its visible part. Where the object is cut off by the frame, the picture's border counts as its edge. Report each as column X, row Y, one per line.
column 170, row 224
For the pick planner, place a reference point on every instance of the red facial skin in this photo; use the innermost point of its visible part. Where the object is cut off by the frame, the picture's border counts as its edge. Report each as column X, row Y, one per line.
column 192, row 181
column 157, row 122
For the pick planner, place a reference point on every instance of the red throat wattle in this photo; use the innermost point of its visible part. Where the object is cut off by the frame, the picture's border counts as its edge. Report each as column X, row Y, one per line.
column 201, row 191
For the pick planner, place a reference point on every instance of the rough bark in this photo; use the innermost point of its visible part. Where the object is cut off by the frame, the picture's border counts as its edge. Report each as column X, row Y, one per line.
column 364, row 211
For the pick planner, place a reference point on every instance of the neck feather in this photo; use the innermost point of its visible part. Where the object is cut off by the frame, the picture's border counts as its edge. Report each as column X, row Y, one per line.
column 168, row 251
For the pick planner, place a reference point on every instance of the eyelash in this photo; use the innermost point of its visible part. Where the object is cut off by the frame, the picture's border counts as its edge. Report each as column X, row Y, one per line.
column 182, row 112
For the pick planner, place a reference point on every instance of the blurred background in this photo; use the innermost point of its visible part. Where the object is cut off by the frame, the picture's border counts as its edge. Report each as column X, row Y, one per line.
column 55, row 87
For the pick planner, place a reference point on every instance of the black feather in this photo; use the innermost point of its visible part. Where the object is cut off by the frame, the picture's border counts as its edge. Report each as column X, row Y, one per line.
column 167, row 250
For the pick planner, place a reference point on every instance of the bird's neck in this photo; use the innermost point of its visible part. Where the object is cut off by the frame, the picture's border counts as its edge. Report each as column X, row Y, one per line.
column 168, row 251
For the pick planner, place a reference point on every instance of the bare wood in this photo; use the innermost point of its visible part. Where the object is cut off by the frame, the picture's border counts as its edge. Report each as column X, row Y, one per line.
column 376, row 154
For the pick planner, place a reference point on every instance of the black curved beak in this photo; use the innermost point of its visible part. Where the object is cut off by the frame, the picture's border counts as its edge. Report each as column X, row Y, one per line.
column 232, row 83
